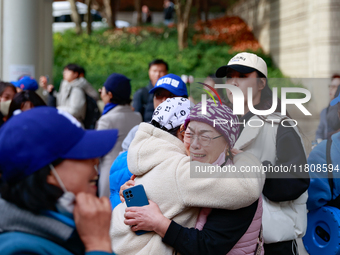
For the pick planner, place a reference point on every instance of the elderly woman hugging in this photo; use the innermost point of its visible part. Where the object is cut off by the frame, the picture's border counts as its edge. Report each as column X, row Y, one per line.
column 163, row 161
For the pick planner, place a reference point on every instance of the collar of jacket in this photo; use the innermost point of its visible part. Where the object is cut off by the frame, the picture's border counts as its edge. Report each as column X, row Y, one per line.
column 14, row 218
column 108, row 107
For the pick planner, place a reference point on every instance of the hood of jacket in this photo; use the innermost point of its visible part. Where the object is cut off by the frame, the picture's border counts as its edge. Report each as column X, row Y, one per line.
column 150, row 146
column 77, row 83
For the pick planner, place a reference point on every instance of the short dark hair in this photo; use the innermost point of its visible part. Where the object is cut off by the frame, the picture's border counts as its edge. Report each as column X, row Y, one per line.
column 335, row 76
column 159, row 62
column 73, row 68
column 172, row 131
column 154, row 93
column 82, row 70
column 118, row 100
column 4, row 85
column 33, row 193
column 22, row 97
column 266, row 99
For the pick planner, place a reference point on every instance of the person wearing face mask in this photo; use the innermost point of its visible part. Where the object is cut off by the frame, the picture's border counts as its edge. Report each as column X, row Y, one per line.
column 159, row 159
column 284, row 193
column 48, row 203
column 119, row 172
column 7, row 92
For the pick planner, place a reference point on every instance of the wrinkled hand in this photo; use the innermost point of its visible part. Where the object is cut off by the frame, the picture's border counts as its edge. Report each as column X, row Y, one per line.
column 50, row 87
column 92, row 216
column 125, row 186
column 235, row 151
column 148, row 218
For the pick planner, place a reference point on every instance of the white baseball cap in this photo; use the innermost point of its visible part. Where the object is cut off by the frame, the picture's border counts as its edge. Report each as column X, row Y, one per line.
column 244, row 62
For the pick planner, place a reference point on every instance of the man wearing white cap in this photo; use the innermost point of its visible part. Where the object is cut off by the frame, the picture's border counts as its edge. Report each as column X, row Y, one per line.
column 284, row 193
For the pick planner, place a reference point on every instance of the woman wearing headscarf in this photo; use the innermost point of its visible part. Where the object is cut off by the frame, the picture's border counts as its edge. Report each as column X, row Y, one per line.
column 276, row 145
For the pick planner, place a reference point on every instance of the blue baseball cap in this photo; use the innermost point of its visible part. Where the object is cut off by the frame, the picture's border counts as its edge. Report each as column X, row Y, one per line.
column 118, row 85
column 26, row 83
column 33, row 139
column 335, row 100
column 172, row 83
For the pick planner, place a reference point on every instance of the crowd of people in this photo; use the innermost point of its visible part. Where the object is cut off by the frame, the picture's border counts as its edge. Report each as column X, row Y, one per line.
column 62, row 183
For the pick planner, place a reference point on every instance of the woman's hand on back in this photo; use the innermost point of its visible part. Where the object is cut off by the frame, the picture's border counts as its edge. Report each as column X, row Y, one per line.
column 130, row 183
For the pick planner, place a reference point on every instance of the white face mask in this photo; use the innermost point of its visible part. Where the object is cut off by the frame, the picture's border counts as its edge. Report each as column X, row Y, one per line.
column 65, row 203
column 4, row 107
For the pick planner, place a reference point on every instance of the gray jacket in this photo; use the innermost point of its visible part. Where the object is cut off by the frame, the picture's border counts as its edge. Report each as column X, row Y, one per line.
column 72, row 99
column 124, row 119
column 14, row 218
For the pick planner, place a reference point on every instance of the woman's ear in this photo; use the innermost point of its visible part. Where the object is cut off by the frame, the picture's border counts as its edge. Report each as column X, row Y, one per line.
column 226, row 150
column 51, row 179
column 181, row 129
column 181, row 132
column 110, row 94
column 262, row 83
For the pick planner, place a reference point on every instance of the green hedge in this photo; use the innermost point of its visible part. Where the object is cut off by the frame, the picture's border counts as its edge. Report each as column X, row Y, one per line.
column 105, row 52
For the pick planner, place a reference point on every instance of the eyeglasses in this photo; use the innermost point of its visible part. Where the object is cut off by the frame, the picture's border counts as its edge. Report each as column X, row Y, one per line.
column 202, row 139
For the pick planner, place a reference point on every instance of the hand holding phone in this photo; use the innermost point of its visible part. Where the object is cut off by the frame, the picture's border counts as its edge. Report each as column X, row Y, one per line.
column 136, row 196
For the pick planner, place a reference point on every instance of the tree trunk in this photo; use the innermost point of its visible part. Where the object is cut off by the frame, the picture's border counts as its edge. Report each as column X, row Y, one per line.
column 199, row 9
column 88, row 17
column 110, row 11
column 206, row 10
column 138, row 9
column 75, row 16
column 183, row 14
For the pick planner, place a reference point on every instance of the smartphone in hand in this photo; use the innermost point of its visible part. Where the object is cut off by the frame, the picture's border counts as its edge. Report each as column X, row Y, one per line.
column 136, row 196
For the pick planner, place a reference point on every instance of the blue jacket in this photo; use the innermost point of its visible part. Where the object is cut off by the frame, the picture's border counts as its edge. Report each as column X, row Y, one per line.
column 119, row 174
column 22, row 243
column 22, row 232
column 319, row 192
column 322, row 131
